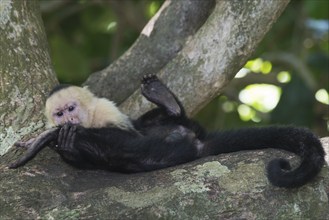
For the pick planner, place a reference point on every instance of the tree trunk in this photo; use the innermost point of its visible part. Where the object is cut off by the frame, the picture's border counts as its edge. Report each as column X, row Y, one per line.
column 26, row 73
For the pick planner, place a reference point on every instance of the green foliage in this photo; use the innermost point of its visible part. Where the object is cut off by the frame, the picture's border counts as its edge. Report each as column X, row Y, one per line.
column 86, row 36
column 258, row 65
column 317, row 9
column 300, row 33
column 71, row 65
column 295, row 106
column 153, row 8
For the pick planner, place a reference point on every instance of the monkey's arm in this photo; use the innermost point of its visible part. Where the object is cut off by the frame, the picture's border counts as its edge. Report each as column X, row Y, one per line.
column 34, row 146
column 91, row 148
column 120, row 150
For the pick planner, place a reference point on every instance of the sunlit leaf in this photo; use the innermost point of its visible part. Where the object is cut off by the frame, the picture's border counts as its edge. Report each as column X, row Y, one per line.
column 266, row 67
column 256, row 65
column 322, row 96
column 284, row 77
column 153, row 8
column 245, row 112
column 111, row 26
column 228, row 106
column 263, row 97
column 259, row 66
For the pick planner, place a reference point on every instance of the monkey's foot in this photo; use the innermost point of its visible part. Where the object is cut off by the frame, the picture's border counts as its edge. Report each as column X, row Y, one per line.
column 155, row 91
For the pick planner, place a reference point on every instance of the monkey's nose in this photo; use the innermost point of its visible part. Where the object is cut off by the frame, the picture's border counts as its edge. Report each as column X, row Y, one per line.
column 73, row 120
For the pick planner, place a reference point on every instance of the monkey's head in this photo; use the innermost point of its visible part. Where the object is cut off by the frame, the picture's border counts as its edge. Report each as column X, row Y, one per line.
column 69, row 104
column 76, row 105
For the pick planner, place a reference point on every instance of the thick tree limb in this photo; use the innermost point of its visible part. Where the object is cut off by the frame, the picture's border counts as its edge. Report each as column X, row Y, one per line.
column 228, row 186
column 215, row 54
column 24, row 52
column 161, row 40
column 26, row 73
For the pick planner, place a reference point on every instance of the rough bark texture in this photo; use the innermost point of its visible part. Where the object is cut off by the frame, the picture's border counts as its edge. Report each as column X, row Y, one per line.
column 24, row 64
column 160, row 41
column 215, row 53
column 229, row 186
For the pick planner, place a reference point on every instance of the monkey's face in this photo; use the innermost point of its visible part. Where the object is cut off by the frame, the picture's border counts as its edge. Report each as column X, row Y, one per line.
column 69, row 105
column 70, row 112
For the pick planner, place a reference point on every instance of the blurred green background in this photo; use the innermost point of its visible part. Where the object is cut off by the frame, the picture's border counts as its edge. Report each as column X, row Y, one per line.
column 285, row 82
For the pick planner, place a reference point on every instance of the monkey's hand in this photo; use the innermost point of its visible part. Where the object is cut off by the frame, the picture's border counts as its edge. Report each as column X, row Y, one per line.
column 66, row 137
column 65, row 142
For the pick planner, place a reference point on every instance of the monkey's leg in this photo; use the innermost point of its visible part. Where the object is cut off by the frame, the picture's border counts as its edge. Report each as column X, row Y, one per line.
column 156, row 92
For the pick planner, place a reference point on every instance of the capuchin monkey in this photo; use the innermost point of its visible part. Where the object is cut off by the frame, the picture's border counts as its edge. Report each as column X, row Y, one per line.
column 91, row 133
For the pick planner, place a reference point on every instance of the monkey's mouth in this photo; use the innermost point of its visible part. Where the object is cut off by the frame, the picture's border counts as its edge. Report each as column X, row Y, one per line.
column 71, row 122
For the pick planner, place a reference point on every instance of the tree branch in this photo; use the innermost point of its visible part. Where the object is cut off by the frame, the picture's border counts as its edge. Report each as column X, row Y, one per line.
column 215, row 54
column 152, row 50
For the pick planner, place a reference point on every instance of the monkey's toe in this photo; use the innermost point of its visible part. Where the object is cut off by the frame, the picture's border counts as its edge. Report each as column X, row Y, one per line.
column 149, row 78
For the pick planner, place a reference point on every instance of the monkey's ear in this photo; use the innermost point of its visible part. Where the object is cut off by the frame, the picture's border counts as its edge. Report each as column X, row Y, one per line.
column 88, row 93
column 86, row 88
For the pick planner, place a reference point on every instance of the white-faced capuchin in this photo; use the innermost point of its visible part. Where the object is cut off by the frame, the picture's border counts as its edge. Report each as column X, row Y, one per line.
column 91, row 133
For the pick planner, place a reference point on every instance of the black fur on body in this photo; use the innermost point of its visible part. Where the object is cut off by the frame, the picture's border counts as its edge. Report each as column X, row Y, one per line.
column 165, row 137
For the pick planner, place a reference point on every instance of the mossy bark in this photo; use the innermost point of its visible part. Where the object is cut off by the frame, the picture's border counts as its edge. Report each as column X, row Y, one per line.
column 229, row 186
column 25, row 70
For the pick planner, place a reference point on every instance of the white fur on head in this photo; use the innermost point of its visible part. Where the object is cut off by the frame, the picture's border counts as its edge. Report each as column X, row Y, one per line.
column 94, row 112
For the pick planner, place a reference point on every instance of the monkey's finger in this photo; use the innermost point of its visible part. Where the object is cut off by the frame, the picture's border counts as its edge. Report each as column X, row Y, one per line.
column 67, row 128
column 71, row 136
column 60, row 137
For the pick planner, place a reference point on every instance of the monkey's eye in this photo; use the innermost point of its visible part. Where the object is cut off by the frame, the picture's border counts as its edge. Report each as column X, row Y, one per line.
column 59, row 114
column 71, row 108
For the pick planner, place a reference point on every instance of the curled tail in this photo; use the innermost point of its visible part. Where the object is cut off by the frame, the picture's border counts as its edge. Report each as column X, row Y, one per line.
column 279, row 172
